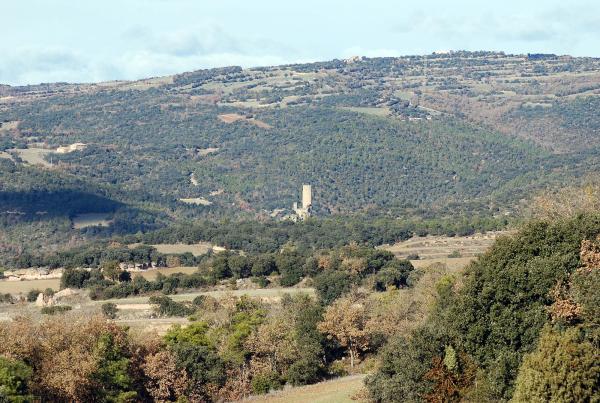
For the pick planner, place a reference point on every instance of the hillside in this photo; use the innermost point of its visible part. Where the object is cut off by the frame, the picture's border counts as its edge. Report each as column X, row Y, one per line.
column 435, row 135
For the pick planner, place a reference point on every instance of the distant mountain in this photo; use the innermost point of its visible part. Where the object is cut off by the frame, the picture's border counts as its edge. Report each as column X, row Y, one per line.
column 472, row 132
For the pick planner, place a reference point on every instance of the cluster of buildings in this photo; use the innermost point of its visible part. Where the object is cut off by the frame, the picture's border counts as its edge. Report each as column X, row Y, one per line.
column 301, row 212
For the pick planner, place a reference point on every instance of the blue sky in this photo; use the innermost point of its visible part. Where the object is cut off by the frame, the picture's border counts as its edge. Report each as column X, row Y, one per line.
column 85, row 40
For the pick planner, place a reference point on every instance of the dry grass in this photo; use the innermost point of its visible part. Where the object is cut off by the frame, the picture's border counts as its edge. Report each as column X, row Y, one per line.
column 235, row 117
column 198, row 201
column 451, row 263
column 383, row 112
column 34, row 156
column 151, row 274
column 196, row 249
column 18, row 287
column 334, row 391
column 440, row 247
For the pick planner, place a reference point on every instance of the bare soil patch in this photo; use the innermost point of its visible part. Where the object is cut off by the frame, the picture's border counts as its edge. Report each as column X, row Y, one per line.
column 235, row 117
column 196, row 249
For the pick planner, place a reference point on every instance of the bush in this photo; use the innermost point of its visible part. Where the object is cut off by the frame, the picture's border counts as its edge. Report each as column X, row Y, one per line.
column 332, row 284
column 262, row 281
column 394, row 274
column 14, row 377
column 165, row 306
column 32, row 295
column 109, row 310
column 455, row 254
column 74, row 278
column 56, row 309
column 6, row 299
column 563, row 368
column 266, row 382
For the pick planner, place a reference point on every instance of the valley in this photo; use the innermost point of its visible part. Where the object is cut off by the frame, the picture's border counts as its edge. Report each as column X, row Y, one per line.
column 444, row 246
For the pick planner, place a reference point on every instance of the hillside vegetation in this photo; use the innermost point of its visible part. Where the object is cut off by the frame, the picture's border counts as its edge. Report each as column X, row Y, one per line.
column 522, row 325
column 419, row 137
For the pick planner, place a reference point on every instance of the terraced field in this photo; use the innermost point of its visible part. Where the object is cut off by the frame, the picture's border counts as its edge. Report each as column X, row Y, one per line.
column 441, row 247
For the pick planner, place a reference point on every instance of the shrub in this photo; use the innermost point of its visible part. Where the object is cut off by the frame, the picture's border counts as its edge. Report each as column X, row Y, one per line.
column 14, row 376
column 332, row 284
column 563, row 368
column 455, row 254
column 395, row 274
column 6, row 299
column 165, row 306
column 74, row 278
column 266, row 382
column 32, row 295
column 56, row 309
column 262, row 281
column 109, row 310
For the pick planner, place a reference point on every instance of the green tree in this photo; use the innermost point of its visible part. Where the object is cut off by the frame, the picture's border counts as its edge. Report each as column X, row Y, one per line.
column 113, row 373
column 563, row 368
column 394, row 274
column 14, row 377
column 74, row 278
column 111, row 270
column 109, row 310
column 332, row 284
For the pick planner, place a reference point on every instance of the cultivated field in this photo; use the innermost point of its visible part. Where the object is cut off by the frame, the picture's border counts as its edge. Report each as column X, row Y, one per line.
column 334, row 391
column 17, row 287
column 440, row 247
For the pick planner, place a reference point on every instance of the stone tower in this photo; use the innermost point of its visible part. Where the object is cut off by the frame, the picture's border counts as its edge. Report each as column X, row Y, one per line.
column 306, row 197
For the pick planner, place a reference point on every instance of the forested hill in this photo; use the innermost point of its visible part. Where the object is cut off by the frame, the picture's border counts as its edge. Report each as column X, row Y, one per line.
column 432, row 135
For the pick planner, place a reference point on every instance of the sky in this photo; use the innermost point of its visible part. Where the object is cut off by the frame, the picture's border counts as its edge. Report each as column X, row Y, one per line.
column 101, row 40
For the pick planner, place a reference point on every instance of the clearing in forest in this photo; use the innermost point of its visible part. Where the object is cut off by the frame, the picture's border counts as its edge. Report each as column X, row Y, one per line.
column 338, row 390
column 235, row 117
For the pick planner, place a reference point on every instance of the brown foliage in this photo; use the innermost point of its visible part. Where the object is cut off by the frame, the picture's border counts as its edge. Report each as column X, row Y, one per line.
column 567, row 202
column 450, row 384
column 590, row 254
column 345, row 320
column 564, row 309
column 165, row 382
column 61, row 351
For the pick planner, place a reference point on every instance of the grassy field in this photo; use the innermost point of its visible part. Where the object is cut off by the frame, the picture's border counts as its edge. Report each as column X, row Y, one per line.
column 440, row 247
column 199, row 201
column 34, row 156
column 263, row 293
column 368, row 110
column 17, row 287
column 151, row 274
column 196, row 249
column 334, row 391
column 451, row 263
column 91, row 220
